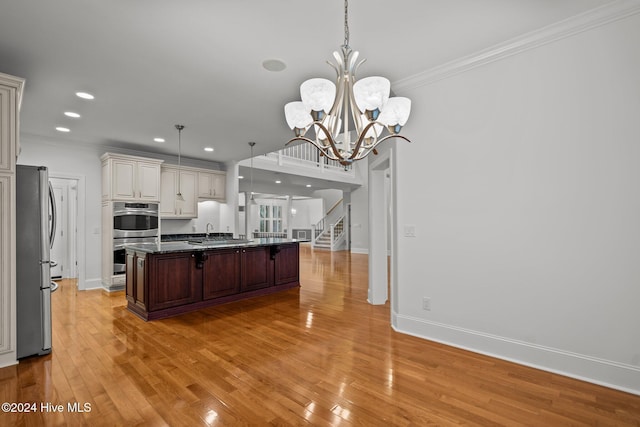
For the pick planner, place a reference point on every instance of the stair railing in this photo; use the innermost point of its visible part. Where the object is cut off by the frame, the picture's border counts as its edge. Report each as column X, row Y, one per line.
column 337, row 233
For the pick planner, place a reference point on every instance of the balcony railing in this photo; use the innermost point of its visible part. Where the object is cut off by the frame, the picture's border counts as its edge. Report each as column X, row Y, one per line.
column 308, row 154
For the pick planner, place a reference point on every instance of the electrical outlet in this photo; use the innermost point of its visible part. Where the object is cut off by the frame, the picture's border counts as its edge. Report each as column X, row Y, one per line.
column 426, row 304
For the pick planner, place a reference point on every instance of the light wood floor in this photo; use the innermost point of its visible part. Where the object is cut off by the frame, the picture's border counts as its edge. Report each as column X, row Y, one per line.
column 318, row 355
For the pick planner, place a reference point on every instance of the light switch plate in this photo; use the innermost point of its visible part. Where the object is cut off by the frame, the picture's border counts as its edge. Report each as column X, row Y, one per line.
column 409, row 231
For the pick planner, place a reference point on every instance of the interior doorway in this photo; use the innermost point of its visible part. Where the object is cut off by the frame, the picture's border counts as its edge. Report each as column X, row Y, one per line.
column 64, row 250
column 381, row 230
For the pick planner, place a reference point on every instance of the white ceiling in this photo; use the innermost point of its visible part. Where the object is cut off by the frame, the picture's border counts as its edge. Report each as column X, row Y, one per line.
column 154, row 63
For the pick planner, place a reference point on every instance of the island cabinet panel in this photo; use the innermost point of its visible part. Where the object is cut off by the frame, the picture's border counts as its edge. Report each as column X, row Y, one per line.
column 257, row 268
column 286, row 263
column 221, row 273
column 135, row 280
column 162, row 284
column 130, row 282
column 173, row 281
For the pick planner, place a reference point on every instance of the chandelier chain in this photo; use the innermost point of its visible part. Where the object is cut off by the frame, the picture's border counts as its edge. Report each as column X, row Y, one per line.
column 346, row 23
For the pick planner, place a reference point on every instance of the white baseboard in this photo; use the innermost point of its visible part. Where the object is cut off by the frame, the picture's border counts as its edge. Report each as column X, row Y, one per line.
column 360, row 251
column 92, row 284
column 586, row 368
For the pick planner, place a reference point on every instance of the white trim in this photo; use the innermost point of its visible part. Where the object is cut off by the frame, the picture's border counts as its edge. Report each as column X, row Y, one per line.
column 81, row 236
column 593, row 18
column 603, row 372
column 91, row 284
column 364, row 251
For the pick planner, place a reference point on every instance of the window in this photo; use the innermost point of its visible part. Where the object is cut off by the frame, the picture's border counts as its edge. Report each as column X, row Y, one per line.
column 270, row 219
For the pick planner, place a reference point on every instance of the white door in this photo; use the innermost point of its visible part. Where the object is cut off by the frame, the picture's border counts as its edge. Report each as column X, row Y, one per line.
column 63, row 252
column 59, row 249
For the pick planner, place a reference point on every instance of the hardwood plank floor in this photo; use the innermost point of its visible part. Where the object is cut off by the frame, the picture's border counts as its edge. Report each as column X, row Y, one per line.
column 318, row 355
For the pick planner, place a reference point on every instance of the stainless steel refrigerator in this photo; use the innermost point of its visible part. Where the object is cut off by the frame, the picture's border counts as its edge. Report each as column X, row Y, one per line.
column 35, row 228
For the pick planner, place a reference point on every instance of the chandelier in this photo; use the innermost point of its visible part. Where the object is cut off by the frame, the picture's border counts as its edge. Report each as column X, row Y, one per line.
column 334, row 109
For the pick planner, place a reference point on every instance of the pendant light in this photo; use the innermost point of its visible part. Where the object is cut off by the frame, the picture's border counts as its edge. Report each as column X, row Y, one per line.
column 251, row 199
column 179, row 193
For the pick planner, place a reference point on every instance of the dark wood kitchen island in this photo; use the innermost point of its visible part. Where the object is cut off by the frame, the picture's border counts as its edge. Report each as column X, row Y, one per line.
column 177, row 277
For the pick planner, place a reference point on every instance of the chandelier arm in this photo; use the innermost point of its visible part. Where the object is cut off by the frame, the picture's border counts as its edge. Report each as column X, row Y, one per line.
column 335, row 68
column 356, row 114
column 374, row 145
column 361, row 136
column 332, row 143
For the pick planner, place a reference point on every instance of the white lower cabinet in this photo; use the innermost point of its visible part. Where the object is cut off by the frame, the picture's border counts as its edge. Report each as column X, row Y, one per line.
column 172, row 181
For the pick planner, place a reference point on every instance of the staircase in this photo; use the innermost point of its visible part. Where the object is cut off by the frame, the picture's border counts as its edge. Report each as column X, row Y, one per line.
column 332, row 238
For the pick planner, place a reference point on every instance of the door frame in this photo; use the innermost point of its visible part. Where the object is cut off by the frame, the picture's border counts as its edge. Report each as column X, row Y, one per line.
column 79, row 222
column 381, row 290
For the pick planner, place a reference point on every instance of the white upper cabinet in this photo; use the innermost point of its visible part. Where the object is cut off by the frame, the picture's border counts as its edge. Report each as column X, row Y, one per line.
column 186, row 181
column 130, row 178
column 10, row 97
column 211, row 185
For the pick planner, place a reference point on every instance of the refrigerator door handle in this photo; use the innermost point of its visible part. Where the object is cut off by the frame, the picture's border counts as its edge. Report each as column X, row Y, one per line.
column 52, row 200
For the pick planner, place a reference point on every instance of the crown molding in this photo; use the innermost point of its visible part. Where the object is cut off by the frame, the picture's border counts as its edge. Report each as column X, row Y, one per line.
column 590, row 19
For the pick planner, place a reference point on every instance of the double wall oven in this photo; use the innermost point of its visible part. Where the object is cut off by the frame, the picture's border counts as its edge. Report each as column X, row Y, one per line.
column 133, row 223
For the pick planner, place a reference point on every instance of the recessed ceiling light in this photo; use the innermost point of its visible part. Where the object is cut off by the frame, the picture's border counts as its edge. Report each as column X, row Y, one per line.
column 208, row 149
column 84, row 95
column 158, row 139
column 72, row 114
column 62, row 129
column 308, row 185
column 273, row 65
column 240, row 177
column 278, row 182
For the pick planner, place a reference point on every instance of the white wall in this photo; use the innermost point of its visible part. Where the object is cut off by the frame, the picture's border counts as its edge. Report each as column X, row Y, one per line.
column 528, row 214
column 209, row 212
column 81, row 161
column 360, row 211
column 75, row 159
column 308, row 212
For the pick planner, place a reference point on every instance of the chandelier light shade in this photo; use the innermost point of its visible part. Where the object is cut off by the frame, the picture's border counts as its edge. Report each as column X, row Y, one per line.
column 334, row 111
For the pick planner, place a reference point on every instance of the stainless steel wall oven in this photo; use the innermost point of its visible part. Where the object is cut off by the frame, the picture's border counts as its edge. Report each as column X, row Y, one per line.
column 135, row 219
column 133, row 223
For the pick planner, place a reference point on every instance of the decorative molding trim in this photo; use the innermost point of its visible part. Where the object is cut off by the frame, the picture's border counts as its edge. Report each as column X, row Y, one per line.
column 593, row 18
column 603, row 372
column 364, row 251
column 92, row 284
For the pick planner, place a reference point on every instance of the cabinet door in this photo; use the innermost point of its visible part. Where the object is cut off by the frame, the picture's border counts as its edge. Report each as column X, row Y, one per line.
column 171, row 281
column 287, row 264
column 221, row 273
column 140, row 281
column 123, row 173
column 257, row 268
column 8, row 124
column 168, row 192
column 188, row 188
column 148, row 179
column 7, row 254
column 130, row 280
column 219, row 186
column 205, row 185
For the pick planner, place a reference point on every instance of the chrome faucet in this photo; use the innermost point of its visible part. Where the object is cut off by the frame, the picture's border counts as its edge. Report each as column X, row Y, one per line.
column 209, row 224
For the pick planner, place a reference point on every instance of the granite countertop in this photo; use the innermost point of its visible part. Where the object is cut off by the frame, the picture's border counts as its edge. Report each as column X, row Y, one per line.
column 199, row 244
